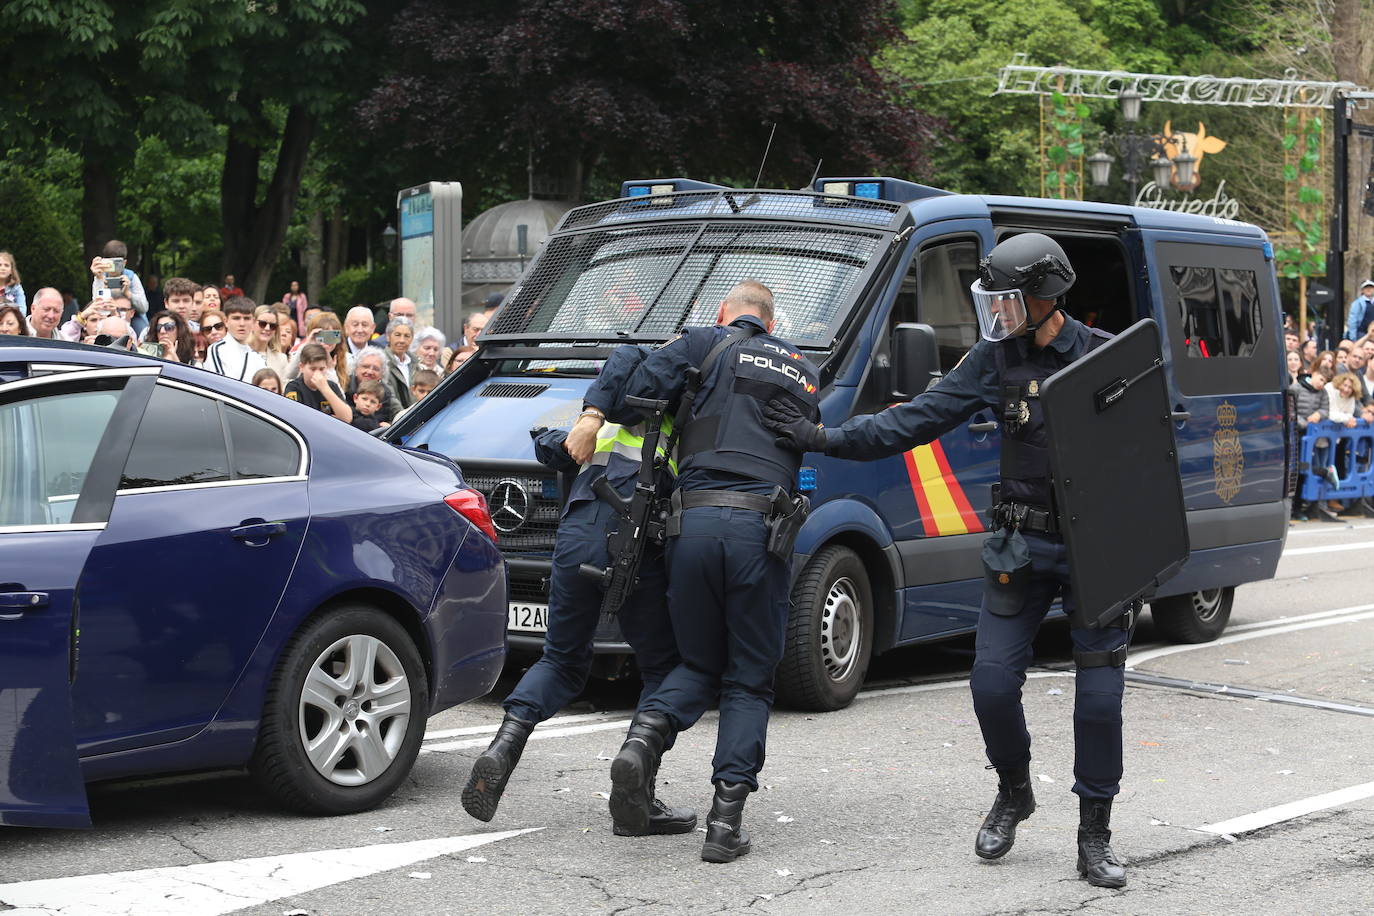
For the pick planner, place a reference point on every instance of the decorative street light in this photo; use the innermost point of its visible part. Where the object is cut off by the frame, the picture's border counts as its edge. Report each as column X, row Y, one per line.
column 389, row 239
column 1138, row 150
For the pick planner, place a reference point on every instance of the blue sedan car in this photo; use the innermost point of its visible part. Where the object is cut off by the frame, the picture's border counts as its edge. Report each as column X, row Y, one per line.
column 199, row 574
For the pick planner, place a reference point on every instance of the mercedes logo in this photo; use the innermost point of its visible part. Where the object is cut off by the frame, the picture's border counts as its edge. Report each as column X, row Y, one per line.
column 509, row 504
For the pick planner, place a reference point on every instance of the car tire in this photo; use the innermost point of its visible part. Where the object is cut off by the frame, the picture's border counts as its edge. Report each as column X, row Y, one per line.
column 1196, row 617
column 338, row 736
column 829, row 634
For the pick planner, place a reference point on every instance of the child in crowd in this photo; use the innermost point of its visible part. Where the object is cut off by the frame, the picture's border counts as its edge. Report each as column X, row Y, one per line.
column 368, row 400
column 316, row 386
column 423, row 383
column 266, row 378
column 11, row 291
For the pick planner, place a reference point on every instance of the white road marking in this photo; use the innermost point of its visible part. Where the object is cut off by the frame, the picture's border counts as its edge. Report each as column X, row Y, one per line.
column 1269, row 816
column 1327, row 528
column 1284, row 621
column 942, row 685
column 536, row 735
column 1350, row 616
column 223, row 887
column 491, row 728
column 1329, row 548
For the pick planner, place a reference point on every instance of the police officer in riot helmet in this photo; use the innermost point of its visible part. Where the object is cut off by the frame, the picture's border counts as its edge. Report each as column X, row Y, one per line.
column 730, row 535
column 613, row 452
column 1027, row 337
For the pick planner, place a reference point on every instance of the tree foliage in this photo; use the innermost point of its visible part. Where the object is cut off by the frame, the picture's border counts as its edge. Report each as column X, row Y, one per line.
column 625, row 87
column 46, row 253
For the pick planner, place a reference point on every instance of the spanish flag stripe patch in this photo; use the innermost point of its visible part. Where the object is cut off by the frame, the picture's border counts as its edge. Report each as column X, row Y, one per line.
column 943, row 506
column 919, row 491
column 971, row 520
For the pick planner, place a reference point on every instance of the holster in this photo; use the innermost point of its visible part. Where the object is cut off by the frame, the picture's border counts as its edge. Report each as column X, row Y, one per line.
column 785, row 523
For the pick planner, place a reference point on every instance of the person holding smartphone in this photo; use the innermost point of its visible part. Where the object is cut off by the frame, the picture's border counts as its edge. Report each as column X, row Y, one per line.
column 112, row 277
column 325, row 330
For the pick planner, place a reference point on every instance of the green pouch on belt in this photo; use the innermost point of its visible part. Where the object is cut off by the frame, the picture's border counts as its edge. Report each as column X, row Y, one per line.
column 1006, row 572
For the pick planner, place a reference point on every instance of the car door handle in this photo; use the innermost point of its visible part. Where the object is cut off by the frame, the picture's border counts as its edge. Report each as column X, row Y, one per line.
column 258, row 531
column 1180, row 416
column 21, row 601
column 986, row 426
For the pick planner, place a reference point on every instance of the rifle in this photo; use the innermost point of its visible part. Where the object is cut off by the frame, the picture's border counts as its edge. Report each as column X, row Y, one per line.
column 641, row 516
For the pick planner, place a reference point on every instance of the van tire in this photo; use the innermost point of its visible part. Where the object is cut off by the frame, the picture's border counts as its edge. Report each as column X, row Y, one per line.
column 1196, row 617
column 829, row 633
column 281, row 763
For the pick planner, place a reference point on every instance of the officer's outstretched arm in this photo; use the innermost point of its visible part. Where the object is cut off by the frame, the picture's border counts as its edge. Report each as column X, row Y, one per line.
column 662, row 375
column 970, row 387
column 607, row 393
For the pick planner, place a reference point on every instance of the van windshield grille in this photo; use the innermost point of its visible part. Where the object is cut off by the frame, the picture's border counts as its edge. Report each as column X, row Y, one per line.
column 651, row 281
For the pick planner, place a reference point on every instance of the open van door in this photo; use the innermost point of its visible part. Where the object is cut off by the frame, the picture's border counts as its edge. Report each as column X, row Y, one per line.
column 63, row 442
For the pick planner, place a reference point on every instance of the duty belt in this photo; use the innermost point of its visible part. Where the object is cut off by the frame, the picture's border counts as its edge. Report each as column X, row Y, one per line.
column 729, row 499
column 1025, row 517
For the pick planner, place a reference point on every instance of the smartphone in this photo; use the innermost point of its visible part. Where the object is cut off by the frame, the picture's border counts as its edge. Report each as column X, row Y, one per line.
column 115, row 282
column 328, row 336
column 116, row 265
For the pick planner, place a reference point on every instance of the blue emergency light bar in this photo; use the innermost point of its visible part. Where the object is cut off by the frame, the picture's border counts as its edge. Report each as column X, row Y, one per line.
column 665, row 187
column 876, row 188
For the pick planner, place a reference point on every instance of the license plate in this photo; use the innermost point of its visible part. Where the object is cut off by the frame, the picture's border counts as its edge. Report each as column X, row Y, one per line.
column 529, row 618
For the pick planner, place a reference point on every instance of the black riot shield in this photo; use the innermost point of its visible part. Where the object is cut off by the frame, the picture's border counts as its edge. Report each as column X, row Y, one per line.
column 1114, row 466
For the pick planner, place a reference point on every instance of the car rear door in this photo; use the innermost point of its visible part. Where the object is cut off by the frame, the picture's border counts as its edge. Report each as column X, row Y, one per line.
column 62, row 442
column 208, row 521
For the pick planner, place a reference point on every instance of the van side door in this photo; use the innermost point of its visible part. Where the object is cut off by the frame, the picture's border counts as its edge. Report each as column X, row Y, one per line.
column 1221, row 325
column 936, row 496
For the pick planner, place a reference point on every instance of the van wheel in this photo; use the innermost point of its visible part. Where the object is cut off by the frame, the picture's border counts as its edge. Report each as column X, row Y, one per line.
column 344, row 715
column 1196, row 617
column 829, row 633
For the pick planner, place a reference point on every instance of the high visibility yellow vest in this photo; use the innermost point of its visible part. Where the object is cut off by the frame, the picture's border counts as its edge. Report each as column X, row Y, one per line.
column 628, row 443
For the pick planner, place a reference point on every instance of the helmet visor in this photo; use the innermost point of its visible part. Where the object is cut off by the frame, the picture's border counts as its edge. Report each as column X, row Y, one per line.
column 1001, row 312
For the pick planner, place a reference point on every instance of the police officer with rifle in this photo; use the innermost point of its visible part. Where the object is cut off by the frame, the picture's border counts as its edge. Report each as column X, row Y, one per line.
column 1027, row 338
column 734, row 518
column 598, row 567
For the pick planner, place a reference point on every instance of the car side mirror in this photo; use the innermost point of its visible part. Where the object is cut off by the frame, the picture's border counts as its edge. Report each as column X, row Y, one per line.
column 915, row 360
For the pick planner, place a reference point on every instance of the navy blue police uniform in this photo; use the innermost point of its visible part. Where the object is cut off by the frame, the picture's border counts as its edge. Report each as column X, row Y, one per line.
column 727, row 595
column 1006, row 376
column 561, row 672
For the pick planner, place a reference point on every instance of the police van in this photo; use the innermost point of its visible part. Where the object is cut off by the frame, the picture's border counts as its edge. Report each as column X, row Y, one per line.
column 871, row 280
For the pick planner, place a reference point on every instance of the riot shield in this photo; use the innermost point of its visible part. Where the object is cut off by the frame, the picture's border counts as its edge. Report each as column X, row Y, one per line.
column 1114, row 467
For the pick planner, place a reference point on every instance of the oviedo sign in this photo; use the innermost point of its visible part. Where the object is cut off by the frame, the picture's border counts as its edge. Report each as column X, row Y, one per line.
column 1220, row 204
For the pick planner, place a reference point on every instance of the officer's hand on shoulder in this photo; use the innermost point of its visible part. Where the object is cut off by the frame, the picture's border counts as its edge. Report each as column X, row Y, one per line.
column 794, row 430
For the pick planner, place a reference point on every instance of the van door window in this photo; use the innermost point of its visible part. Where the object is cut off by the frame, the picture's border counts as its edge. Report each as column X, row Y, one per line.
column 1215, row 303
column 935, row 291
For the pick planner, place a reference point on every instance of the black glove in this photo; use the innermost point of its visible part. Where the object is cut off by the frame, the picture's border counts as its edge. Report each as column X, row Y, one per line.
column 794, row 430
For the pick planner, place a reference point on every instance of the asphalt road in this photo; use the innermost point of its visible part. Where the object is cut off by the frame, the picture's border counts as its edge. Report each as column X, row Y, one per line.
column 1249, row 788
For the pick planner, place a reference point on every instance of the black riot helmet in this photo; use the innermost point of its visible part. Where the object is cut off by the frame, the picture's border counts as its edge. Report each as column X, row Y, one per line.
column 1030, row 264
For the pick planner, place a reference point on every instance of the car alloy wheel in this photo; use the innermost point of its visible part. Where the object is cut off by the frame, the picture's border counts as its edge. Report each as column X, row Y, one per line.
column 354, row 709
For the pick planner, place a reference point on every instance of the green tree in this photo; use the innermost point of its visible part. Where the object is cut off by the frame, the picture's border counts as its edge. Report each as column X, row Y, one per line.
column 88, row 77
column 46, row 253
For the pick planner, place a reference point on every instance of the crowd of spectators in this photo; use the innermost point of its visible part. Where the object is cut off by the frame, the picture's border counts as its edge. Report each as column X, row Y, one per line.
column 1333, row 386
column 352, row 369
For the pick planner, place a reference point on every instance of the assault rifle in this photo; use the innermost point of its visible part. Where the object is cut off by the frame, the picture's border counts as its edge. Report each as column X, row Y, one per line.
column 642, row 516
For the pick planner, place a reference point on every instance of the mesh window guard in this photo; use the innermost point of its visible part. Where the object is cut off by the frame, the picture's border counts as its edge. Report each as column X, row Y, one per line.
column 652, row 280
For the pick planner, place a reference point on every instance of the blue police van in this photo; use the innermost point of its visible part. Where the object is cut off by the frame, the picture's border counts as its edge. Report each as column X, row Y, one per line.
column 871, row 278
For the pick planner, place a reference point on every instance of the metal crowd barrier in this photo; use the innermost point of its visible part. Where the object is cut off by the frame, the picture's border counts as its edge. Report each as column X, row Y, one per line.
column 1350, row 450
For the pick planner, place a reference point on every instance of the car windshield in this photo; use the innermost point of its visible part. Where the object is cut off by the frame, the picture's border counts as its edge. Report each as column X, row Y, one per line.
column 651, row 281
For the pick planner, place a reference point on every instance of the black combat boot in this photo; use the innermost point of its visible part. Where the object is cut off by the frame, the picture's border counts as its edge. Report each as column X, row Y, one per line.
column 492, row 770
column 1096, row 862
column 633, row 772
column 1014, row 803
column 663, row 819
column 726, row 840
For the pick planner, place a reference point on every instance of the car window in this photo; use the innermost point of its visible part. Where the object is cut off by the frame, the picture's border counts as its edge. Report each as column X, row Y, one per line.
column 46, row 447
column 180, row 440
column 260, row 449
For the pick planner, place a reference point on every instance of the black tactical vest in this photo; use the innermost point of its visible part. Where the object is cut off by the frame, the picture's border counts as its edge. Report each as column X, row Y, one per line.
column 1021, row 370
column 726, row 432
